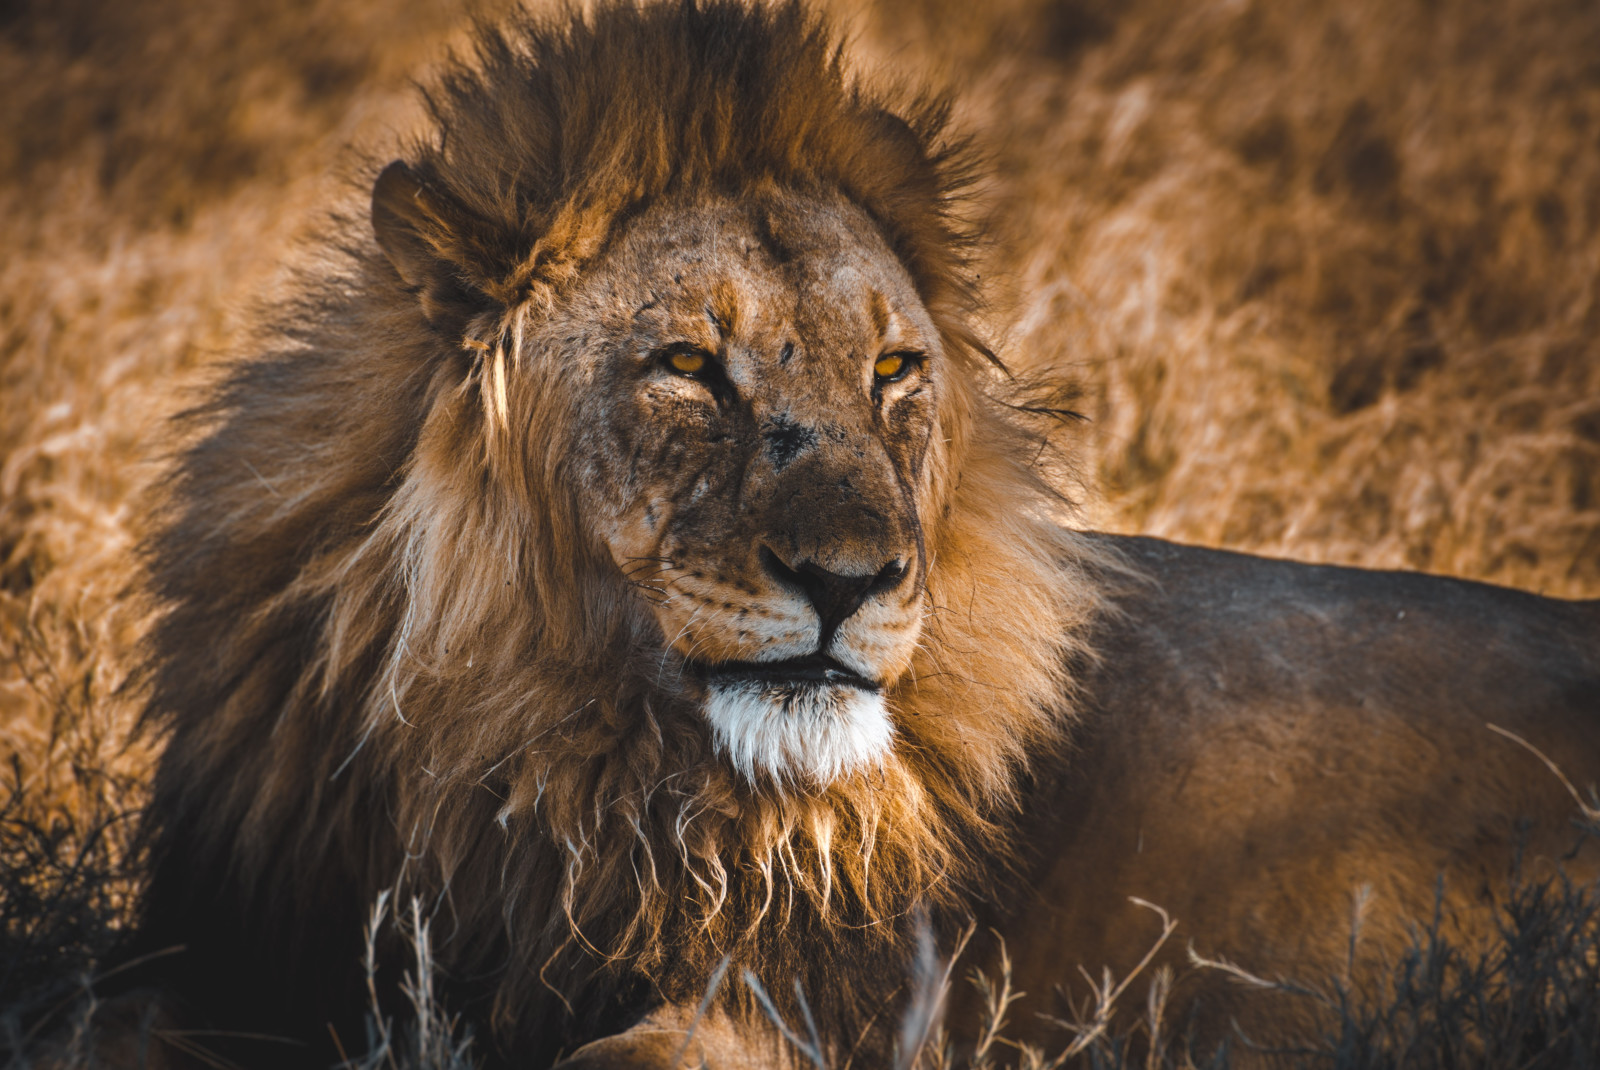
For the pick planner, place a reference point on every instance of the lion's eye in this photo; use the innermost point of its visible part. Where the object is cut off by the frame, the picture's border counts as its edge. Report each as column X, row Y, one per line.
column 687, row 362
column 893, row 366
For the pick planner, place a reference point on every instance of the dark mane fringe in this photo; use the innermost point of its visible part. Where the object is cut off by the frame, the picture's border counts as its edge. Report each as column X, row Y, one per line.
column 387, row 657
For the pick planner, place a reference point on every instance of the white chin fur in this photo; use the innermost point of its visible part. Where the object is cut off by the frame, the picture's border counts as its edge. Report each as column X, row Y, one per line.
column 821, row 733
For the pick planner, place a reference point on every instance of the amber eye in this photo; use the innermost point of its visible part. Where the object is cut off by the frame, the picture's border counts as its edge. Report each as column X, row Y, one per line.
column 891, row 366
column 687, row 362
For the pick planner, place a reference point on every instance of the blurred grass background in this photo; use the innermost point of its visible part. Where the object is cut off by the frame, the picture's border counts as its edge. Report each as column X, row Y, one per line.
column 1326, row 271
column 1329, row 268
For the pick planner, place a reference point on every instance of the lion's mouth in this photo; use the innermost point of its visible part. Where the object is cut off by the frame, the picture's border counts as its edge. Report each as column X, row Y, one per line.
column 813, row 670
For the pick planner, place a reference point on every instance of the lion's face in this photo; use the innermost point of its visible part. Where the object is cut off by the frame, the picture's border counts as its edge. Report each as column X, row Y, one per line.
column 759, row 463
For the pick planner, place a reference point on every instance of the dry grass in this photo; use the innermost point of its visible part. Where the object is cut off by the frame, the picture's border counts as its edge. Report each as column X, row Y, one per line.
column 1327, row 270
column 1528, row 998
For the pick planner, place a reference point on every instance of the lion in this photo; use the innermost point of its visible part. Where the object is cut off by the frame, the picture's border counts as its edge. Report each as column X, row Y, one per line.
column 626, row 546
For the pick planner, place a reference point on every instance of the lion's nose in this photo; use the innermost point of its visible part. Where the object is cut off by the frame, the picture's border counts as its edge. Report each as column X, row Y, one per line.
column 835, row 596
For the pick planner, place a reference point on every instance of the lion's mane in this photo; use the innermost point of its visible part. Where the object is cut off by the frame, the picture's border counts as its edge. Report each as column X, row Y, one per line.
column 390, row 655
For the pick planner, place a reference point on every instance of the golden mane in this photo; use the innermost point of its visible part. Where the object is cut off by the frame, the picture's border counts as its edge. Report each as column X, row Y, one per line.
column 392, row 655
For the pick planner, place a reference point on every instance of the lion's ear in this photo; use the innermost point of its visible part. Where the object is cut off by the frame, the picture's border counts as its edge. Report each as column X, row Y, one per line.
column 425, row 237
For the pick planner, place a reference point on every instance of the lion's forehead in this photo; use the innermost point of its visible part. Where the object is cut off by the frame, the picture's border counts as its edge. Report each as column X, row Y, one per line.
column 810, row 283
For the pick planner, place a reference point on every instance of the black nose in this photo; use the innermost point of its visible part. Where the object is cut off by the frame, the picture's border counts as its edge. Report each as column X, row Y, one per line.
column 834, row 596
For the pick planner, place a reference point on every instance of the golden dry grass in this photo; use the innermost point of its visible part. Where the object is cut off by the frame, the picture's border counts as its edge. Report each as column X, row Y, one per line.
column 1330, row 267
column 1327, row 272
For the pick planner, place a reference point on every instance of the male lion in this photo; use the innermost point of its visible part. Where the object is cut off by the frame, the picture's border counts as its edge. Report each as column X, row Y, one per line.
column 627, row 548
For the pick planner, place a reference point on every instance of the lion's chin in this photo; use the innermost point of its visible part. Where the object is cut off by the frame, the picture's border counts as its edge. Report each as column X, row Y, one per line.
column 819, row 732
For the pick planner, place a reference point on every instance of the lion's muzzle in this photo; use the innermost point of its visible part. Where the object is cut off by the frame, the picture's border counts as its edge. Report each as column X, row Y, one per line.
column 835, row 565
